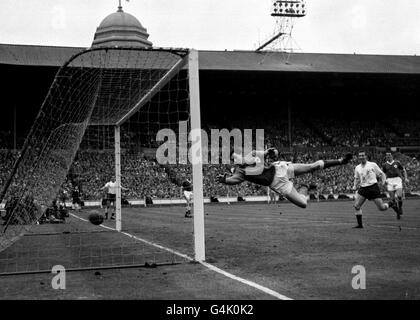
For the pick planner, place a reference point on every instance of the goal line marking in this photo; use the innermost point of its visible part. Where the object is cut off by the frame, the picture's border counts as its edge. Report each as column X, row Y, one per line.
column 204, row 264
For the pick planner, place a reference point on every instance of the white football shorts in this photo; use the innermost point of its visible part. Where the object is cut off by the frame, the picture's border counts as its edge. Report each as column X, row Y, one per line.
column 281, row 182
column 188, row 195
column 394, row 184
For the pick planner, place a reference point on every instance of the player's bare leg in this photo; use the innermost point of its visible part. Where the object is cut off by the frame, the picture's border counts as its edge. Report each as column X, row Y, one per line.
column 396, row 201
column 398, row 197
column 188, row 213
column 358, row 203
column 381, row 205
column 273, row 197
column 113, row 211
column 106, row 210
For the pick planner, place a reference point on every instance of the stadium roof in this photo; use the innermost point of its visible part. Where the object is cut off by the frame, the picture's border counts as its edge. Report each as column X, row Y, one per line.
column 30, row 55
column 308, row 62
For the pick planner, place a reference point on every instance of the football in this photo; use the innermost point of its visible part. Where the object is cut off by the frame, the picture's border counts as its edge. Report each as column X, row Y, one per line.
column 96, row 219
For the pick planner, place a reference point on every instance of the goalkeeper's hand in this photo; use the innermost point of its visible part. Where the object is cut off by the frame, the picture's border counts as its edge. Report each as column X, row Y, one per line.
column 271, row 152
column 221, row 178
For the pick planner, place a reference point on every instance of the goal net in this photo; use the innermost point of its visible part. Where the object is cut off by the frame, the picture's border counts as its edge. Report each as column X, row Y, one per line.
column 98, row 124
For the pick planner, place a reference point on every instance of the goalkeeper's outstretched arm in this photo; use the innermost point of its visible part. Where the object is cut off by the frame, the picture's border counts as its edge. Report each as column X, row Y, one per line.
column 232, row 180
column 252, row 158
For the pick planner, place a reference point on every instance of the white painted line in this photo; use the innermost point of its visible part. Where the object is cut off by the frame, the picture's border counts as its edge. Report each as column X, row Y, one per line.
column 247, row 282
column 73, row 215
column 205, row 264
column 159, row 246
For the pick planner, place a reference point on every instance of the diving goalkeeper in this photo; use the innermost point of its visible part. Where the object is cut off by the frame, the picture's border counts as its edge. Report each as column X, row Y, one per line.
column 277, row 175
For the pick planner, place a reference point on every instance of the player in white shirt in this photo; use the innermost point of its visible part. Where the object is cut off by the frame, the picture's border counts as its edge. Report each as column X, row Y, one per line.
column 187, row 191
column 366, row 176
column 111, row 188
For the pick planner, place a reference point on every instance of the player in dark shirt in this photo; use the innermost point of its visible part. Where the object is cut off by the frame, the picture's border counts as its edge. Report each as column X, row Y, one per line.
column 186, row 186
column 395, row 175
column 187, row 189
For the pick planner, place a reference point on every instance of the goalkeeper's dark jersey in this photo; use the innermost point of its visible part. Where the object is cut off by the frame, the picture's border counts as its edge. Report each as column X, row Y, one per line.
column 265, row 178
column 186, row 186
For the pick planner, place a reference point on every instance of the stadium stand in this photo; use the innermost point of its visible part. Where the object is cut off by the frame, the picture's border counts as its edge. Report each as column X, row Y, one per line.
column 93, row 166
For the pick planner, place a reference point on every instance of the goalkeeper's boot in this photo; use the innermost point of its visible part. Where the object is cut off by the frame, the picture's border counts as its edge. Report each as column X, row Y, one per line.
column 339, row 162
column 113, row 217
column 346, row 159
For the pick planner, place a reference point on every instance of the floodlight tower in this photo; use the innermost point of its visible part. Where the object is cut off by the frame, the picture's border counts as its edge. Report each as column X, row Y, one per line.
column 285, row 13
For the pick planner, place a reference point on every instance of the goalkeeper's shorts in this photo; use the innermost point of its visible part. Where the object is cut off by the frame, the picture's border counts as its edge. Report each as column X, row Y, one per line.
column 281, row 183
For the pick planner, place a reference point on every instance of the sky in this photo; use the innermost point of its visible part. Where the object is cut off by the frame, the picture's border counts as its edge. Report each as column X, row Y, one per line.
column 331, row 26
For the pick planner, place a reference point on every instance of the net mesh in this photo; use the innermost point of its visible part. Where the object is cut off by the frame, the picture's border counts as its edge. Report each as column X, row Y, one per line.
column 69, row 156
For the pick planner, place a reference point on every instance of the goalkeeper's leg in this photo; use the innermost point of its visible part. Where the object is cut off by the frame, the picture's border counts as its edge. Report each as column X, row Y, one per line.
column 299, row 198
column 300, row 169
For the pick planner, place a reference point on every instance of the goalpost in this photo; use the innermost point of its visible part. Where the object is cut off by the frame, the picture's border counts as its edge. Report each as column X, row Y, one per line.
column 199, row 240
column 104, row 101
column 193, row 70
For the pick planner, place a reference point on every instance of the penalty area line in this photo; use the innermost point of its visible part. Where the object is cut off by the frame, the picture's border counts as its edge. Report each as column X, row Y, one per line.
column 204, row 264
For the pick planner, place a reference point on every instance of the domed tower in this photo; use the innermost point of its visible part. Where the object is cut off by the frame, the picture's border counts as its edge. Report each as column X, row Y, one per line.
column 121, row 29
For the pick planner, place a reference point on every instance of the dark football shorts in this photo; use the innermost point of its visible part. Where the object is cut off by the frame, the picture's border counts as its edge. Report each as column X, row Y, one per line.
column 112, row 197
column 371, row 192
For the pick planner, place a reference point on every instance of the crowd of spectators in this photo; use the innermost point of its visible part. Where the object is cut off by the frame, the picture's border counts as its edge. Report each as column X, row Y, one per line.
column 323, row 132
column 356, row 133
column 7, row 158
column 349, row 133
column 144, row 177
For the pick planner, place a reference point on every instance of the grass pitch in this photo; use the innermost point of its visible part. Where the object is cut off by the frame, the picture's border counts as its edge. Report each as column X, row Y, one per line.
column 302, row 254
